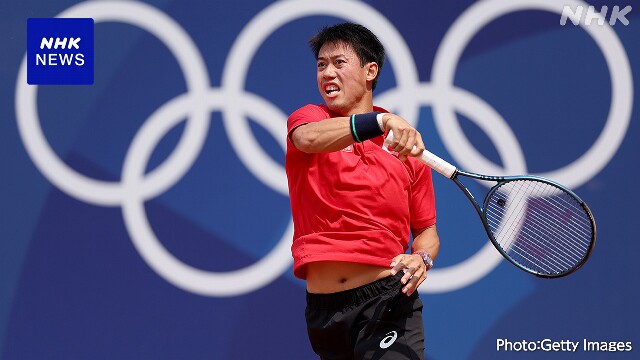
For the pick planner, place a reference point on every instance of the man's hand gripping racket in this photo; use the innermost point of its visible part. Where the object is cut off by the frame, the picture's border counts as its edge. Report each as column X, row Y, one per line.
column 538, row 225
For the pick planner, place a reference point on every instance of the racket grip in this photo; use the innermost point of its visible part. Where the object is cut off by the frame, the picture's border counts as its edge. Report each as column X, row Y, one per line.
column 437, row 164
column 430, row 159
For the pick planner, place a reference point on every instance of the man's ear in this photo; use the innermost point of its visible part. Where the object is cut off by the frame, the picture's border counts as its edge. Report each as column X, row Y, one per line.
column 372, row 71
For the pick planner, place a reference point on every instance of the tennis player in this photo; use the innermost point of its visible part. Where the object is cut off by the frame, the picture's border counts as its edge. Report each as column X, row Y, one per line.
column 355, row 206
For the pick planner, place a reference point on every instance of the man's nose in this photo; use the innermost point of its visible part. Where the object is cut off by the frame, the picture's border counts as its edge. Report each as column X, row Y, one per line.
column 329, row 72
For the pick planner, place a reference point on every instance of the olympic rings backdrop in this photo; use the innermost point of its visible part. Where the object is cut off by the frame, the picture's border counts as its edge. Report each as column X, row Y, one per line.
column 147, row 216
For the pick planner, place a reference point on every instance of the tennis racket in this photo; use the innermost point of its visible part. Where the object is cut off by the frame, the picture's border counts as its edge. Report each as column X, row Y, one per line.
column 538, row 225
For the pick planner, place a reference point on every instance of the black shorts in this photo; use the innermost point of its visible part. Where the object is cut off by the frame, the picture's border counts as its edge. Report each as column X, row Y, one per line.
column 374, row 321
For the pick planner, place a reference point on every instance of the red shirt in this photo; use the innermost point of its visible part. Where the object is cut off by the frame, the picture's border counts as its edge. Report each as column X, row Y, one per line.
column 354, row 205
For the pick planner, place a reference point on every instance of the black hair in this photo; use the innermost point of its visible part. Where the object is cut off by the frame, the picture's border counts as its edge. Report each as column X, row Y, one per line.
column 363, row 42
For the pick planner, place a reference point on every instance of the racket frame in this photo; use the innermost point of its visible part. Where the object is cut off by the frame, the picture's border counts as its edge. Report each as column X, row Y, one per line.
column 501, row 180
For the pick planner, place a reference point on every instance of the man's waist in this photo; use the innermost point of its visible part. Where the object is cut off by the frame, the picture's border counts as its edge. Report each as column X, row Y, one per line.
column 325, row 277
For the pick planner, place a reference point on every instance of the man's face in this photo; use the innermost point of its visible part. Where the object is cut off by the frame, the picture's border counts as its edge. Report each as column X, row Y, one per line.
column 342, row 81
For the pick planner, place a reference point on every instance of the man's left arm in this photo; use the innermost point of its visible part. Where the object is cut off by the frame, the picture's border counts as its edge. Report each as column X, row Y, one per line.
column 425, row 240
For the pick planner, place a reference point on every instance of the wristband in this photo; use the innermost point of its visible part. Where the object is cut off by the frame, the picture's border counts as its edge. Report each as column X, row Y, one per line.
column 365, row 126
column 426, row 258
column 380, row 122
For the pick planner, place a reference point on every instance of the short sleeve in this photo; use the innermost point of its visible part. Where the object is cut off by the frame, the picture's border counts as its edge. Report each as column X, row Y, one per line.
column 423, row 204
column 304, row 115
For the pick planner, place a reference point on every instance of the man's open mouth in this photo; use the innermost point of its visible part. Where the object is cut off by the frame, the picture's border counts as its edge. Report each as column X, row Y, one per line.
column 331, row 89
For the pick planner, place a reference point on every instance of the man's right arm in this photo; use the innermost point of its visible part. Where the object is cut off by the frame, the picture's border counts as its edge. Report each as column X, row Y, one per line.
column 334, row 134
column 323, row 136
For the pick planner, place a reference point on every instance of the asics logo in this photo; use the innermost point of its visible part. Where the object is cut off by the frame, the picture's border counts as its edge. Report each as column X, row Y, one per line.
column 388, row 340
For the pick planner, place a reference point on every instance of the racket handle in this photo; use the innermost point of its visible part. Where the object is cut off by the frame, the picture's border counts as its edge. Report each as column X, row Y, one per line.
column 430, row 159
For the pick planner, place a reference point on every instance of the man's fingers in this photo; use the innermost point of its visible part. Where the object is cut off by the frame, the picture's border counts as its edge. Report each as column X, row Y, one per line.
column 407, row 142
column 408, row 275
column 399, row 265
column 419, row 146
column 414, row 272
column 413, row 283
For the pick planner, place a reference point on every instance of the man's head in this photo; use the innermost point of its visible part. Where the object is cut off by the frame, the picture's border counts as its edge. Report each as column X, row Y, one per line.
column 349, row 59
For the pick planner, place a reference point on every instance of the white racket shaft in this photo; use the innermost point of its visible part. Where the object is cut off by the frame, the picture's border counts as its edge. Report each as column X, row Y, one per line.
column 429, row 158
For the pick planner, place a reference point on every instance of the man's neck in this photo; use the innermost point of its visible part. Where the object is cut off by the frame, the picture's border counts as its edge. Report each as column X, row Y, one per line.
column 362, row 107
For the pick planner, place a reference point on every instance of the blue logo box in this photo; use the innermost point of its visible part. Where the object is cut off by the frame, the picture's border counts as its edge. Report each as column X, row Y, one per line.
column 60, row 51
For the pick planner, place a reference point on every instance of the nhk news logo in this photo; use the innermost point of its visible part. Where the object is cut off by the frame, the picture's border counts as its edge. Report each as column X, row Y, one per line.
column 60, row 51
column 586, row 15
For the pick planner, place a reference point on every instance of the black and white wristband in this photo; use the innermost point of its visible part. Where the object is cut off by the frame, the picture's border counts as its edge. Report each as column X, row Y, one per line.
column 365, row 126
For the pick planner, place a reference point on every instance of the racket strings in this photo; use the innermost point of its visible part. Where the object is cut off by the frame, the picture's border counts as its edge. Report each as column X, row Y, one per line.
column 528, row 253
column 551, row 230
column 558, row 252
column 539, row 225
